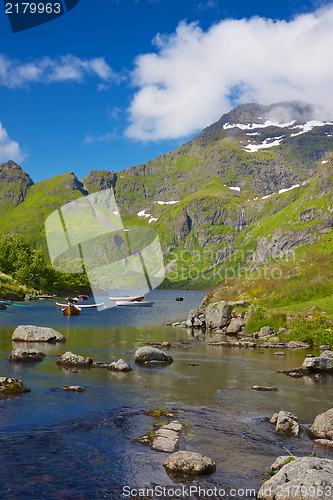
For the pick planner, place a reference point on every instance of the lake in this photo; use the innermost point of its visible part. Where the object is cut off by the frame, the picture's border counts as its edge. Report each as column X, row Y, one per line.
column 76, row 446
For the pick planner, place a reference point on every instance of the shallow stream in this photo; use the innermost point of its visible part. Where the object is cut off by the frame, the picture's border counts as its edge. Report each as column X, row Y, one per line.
column 76, row 446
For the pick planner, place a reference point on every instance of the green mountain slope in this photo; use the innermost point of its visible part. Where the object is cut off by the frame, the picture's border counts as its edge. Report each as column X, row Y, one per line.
column 252, row 188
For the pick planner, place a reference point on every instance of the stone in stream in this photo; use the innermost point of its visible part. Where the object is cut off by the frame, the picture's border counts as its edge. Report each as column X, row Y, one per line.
column 26, row 356
column 70, row 359
column 119, row 366
column 189, row 463
column 323, row 363
column 165, row 439
column 322, row 426
column 287, row 424
column 74, row 388
column 11, row 386
column 264, row 388
column 31, row 333
column 298, row 479
column 151, row 356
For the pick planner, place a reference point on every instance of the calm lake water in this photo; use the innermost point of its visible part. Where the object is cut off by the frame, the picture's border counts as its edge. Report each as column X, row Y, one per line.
column 76, row 446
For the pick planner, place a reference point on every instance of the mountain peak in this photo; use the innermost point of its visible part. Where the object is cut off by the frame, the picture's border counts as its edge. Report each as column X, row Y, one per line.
column 282, row 112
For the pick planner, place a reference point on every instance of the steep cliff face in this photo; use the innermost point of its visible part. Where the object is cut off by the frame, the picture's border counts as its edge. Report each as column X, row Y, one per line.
column 14, row 183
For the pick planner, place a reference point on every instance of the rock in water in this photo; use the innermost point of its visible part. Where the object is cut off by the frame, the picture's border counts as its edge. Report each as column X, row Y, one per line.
column 119, row 366
column 324, row 363
column 9, row 386
column 322, row 427
column 70, row 359
column 287, row 424
column 31, row 333
column 74, row 388
column 28, row 356
column 167, row 437
column 298, row 479
column 150, row 355
column 189, row 463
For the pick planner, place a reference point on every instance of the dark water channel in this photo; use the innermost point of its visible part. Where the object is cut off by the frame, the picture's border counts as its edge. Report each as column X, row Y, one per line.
column 76, row 446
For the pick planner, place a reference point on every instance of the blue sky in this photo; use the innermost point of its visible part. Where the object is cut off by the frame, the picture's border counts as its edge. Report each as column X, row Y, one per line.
column 112, row 84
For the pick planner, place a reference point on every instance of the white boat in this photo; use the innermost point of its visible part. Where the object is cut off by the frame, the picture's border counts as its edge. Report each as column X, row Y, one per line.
column 82, row 307
column 128, row 298
column 132, row 303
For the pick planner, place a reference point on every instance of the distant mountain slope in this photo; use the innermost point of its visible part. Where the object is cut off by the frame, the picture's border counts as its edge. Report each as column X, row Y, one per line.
column 254, row 186
column 28, row 217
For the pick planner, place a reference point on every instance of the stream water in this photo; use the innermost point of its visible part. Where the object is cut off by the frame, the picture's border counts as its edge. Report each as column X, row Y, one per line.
column 76, row 446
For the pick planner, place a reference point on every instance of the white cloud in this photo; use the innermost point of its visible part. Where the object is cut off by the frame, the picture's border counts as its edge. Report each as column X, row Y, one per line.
column 9, row 149
column 64, row 68
column 195, row 76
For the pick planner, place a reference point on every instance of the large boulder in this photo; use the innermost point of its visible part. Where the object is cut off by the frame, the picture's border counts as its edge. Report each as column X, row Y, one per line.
column 301, row 479
column 323, row 363
column 235, row 326
column 70, row 359
column 31, row 333
column 286, row 423
column 119, row 366
column 150, row 355
column 218, row 314
column 26, row 356
column 189, row 463
column 9, row 386
column 322, row 427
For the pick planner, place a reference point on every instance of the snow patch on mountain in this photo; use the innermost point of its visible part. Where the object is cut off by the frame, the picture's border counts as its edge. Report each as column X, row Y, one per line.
column 309, row 126
column 252, row 126
column 251, row 148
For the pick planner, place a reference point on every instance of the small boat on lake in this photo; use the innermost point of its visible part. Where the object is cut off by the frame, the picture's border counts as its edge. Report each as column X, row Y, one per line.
column 128, row 298
column 133, row 303
column 83, row 297
column 179, row 299
column 71, row 309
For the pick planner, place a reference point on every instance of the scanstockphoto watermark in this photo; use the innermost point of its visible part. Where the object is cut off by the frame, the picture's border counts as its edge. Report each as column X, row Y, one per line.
column 188, row 492
column 199, row 266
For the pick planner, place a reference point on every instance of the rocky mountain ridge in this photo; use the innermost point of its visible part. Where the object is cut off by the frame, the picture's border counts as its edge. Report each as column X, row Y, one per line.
column 258, row 182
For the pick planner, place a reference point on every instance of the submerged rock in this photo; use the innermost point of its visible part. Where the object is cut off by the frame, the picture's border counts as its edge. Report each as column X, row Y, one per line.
column 25, row 356
column 150, row 355
column 322, row 427
column 119, row 366
column 31, row 333
column 9, row 386
column 302, row 475
column 70, row 359
column 189, row 463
